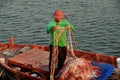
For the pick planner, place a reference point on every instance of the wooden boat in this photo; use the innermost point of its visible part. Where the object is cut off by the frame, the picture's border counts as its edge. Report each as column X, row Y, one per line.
column 30, row 62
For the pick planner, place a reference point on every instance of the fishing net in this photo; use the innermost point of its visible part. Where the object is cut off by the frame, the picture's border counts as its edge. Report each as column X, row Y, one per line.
column 77, row 68
column 115, row 75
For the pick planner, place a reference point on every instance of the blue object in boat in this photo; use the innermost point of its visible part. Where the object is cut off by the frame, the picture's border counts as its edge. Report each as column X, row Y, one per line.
column 106, row 70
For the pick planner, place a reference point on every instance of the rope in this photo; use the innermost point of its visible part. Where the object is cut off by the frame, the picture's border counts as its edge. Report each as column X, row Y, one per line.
column 52, row 65
column 54, row 59
column 71, row 46
column 1, row 72
column 55, row 51
column 74, row 39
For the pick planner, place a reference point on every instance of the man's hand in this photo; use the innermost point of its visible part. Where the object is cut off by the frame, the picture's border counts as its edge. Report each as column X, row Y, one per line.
column 54, row 28
column 68, row 28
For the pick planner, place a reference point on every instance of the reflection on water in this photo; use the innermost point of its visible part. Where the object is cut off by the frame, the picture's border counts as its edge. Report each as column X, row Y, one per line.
column 97, row 22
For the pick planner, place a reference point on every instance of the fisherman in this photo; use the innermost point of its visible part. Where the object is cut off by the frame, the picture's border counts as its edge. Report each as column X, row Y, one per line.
column 57, row 28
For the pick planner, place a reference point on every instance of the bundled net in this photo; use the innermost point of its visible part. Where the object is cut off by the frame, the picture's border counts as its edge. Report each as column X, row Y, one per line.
column 115, row 75
column 77, row 68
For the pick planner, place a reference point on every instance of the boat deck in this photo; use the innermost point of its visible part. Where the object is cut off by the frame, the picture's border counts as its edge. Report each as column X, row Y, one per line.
column 35, row 58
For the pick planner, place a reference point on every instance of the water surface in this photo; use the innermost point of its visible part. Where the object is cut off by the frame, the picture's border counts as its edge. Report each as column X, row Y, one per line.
column 97, row 22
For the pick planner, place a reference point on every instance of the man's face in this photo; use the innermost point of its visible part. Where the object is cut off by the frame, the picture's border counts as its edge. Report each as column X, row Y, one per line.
column 58, row 19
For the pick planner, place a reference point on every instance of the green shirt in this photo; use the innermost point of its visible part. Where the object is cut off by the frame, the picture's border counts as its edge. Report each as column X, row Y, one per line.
column 58, row 37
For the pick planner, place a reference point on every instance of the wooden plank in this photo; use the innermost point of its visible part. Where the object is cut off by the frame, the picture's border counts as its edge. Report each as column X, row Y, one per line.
column 35, row 57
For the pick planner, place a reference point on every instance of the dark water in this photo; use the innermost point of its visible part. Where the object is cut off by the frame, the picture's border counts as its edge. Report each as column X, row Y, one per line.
column 97, row 22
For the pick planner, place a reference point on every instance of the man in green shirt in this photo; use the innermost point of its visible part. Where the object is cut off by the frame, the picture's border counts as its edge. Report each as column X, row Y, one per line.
column 57, row 28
